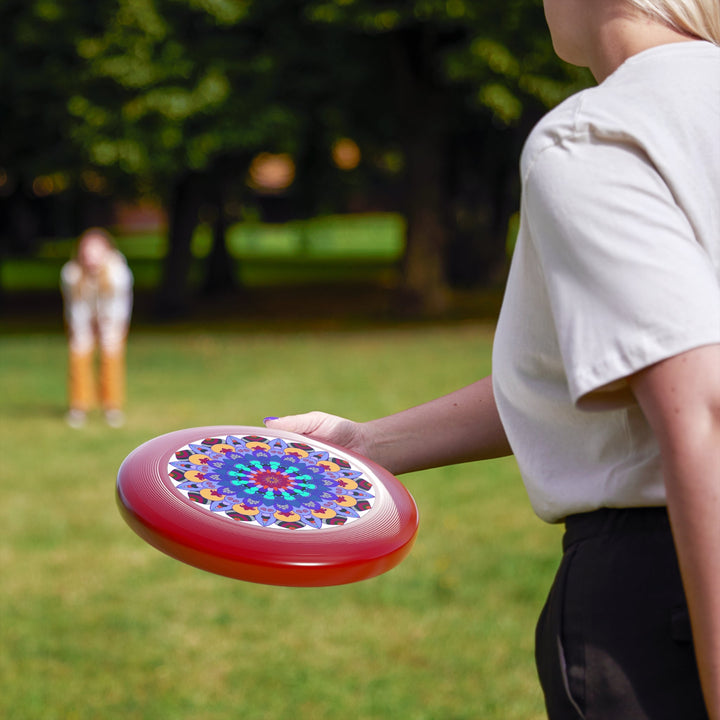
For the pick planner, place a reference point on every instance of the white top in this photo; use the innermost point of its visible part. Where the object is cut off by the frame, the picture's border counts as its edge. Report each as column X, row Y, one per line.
column 97, row 308
column 617, row 266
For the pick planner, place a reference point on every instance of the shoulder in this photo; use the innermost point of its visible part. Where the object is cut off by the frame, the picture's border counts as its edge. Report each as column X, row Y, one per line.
column 116, row 278
column 553, row 130
column 648, row 105
column 70, row 274
column 117, row 269
column 596, row 116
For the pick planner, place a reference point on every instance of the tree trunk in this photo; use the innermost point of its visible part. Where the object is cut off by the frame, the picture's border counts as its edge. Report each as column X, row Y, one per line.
column 175, row 295
column 220, row 266
column 424, row 276
column 424, row 144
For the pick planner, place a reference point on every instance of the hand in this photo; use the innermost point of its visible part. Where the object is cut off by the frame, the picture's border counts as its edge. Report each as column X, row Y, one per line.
column 324, row 427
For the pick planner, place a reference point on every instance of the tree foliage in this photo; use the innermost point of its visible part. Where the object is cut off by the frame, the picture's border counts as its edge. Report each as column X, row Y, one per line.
column 39, row 68
column 175, row 97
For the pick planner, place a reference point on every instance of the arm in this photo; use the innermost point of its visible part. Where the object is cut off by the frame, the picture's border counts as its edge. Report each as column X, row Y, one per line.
column 459, row 427
column 681, row 400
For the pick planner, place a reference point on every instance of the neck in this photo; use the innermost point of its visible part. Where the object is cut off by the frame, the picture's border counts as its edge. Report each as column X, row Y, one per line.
column 621, row 36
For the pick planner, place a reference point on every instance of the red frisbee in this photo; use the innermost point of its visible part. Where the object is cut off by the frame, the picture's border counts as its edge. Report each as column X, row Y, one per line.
column 266, row 506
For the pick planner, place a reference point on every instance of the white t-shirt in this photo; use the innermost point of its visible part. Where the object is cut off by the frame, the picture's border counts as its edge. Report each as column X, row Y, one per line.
column 617, row 266
column 97, row 307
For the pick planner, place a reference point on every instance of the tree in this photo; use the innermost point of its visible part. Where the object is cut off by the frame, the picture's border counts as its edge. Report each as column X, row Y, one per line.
column 175, row 98
column 38, row 68
column 182, row 94
column 460, row 72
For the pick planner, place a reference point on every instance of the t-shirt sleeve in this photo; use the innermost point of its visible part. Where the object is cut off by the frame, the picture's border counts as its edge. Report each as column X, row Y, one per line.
column 629, row 282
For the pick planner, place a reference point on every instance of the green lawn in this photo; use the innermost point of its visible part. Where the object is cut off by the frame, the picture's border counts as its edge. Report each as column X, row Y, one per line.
column 95, row 624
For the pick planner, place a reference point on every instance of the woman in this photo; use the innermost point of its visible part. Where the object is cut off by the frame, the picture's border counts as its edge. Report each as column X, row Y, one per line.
column 97, row 293
column 606, row 365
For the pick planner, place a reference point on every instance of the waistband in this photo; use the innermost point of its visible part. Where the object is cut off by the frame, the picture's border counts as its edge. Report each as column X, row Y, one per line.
column 607, row 521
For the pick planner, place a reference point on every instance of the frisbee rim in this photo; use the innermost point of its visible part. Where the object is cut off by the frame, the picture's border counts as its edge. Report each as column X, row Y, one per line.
column 362, row 549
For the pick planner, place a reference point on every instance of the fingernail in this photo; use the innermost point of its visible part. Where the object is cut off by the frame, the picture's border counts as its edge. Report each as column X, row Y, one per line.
column 269, row 417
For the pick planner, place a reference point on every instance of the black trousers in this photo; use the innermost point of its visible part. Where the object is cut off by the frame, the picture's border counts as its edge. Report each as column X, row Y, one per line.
column 613, row 641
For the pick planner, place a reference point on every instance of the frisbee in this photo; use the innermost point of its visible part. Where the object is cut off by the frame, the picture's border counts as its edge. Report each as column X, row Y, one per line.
column 266, row 506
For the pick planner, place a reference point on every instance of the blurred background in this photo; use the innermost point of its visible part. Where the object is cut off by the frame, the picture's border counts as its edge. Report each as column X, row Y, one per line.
column 317, row 200
column 232, row 145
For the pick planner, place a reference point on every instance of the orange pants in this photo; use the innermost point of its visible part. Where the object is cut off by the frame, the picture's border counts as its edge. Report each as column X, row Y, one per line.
column 84, row 393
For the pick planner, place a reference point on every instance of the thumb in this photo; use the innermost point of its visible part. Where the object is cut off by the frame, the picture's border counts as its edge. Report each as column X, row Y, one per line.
column 304, row 424
column 318, row 425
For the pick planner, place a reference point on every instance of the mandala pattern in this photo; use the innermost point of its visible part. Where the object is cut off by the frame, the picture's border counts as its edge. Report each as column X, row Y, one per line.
column 271, row 482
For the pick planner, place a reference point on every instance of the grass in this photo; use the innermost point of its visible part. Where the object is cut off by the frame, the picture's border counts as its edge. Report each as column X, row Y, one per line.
column 94, row 623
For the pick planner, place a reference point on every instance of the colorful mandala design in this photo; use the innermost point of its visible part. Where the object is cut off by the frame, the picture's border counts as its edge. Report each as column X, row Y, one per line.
column 271, row 482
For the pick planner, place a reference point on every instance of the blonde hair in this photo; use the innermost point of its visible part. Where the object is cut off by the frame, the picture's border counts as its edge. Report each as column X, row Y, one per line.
column 97, row 233
column 699, row 18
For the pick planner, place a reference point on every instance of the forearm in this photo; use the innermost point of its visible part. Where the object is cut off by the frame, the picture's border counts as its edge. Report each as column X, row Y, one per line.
column 681, row 400
column 460, row 427
column 693, row 496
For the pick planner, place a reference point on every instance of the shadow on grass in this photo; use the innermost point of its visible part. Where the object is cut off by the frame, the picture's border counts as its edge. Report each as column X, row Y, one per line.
column 288, row 308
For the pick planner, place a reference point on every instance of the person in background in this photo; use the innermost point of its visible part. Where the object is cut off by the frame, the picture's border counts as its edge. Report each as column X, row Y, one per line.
column 606, row 366
column 97, row 295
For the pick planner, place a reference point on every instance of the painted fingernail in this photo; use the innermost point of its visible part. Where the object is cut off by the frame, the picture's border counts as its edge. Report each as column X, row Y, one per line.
column 269, row 417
